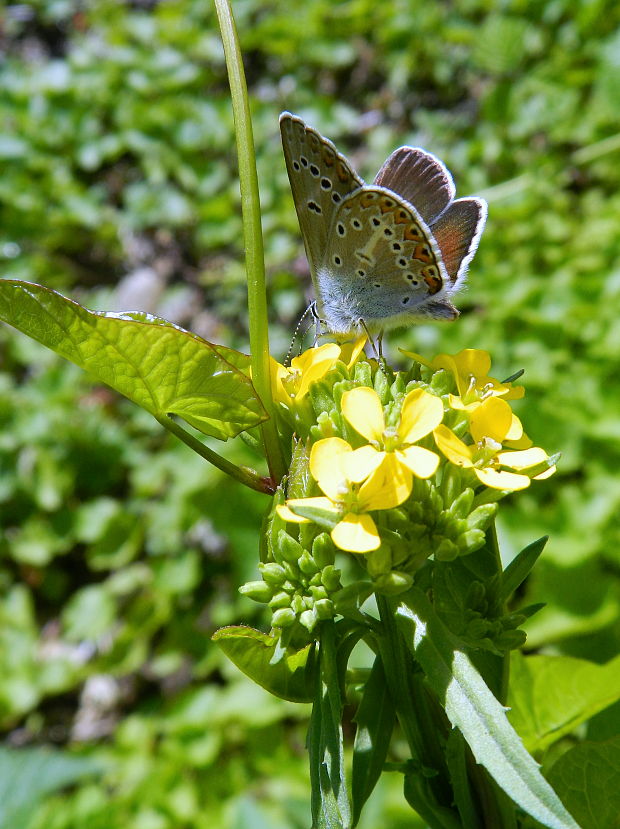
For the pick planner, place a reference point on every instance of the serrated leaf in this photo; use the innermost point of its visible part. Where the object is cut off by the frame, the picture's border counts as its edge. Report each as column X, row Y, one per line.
column 285, row 673
column 551, row 695
column 375, row 718
column 587, row 778
column 472, row 708
column 154, row 363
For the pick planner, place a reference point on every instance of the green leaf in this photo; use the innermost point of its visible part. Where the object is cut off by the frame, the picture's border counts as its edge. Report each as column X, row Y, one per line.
column 330, row 800
column 375, row 718
column 587, row 778
column 26, row 775
column 287, row 674
column 471, row 707
column 157, row 365
column 520, row 566
column 551, row 695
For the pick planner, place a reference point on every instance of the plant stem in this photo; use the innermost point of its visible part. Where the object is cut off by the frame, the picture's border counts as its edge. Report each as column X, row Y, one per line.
column 239, row 473
column 252, row 234
column 503, row 694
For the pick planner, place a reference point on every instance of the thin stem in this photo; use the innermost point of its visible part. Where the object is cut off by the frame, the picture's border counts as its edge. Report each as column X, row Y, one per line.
column 252, row 234
column 503, row 695
column 239, row 473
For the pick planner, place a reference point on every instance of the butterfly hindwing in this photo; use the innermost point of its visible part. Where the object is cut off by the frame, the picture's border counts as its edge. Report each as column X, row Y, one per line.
column 457, row 232
column 320, row 178
column 420, row 178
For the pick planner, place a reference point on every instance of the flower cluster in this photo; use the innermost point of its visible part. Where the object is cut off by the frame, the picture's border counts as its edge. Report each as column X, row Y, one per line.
column 382, row 440
column 393, row 467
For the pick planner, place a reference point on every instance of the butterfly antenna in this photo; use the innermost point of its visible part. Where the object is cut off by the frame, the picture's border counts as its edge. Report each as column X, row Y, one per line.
column 311, row 309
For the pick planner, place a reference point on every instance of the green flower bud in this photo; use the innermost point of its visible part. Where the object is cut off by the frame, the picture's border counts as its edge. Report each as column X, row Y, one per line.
column 470, row 541
column 258, row 591
column 307, row 564
column 436, row 500
column 298, row 604
column 391, row 584
column 287, row 548
column 318, row 592
column 324, row 609
column 330, row 577
column 283, row 618
column 481, row 517
column 280, row 599
column 308, row 619
column 362, row 373
column 399, row 387
column 321, row 396
column 478, row 629
column 323, row 551
column 291, row 571
column 381, row 386
column 446, row 550
column 476, row 594
column 461, row 506
column 511, row 639
column 272, row 573
column 442, row 382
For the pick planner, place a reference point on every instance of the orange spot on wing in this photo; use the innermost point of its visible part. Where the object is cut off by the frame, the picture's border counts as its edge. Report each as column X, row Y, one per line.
column 423, row 254
column 413, row 233
column 432, row 279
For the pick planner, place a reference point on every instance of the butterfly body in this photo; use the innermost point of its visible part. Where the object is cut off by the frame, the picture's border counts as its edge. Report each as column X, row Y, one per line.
column 375, row 259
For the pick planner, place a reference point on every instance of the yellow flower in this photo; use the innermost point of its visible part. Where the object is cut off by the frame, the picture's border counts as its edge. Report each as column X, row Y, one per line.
column 490, row 425
column 291, row 384
column 391, row 452
column 336, row 468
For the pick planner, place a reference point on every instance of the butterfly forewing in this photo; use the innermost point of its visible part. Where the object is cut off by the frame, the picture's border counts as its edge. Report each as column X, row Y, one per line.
column 320, row 178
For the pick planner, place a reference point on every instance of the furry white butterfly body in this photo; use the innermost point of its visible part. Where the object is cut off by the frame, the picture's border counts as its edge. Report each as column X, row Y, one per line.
column 382, row 255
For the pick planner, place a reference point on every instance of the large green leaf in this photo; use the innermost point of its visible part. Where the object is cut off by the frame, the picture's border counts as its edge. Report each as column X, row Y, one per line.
column 587, row 778
column 158, row 365
column 551, row 695
column 26, row 775
column 472, row 708
column 286, row 673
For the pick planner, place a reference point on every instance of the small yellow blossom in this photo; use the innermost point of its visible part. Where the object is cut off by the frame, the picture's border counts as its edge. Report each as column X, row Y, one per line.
column 335, row 466
column 291, row 384
column 391, row 453
column 490, row 426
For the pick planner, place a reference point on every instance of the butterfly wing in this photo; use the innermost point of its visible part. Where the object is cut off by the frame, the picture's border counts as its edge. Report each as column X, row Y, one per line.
column 320, row 178
column 381, row 265
column 457, row 232
column 420, row 178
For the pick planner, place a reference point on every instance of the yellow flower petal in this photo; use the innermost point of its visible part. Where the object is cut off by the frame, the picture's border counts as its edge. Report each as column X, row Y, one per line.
column 546, row 474
column 326, row 465
column 286, row 515
column 497, row 479
column 453, row 448
column 388, row 486
column 515, row 432
column 356, row 534
column 361, row 463
column 420, row 414
column 492, row 419
column 349, row 352
column 473, row 361
column 422, row 462
column 363, row 409
column 314, row 364
column 522, row 459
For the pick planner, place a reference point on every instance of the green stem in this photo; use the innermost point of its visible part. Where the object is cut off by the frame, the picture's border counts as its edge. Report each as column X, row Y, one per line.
column 505, row 679
column 252, row 234
column 239, row 473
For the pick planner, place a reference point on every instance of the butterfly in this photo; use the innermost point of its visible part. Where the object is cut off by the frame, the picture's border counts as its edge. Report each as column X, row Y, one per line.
column 381, row 255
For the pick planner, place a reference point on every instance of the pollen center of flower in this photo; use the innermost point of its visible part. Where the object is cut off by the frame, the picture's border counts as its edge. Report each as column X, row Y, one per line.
column 391, row 439
column 486, row 450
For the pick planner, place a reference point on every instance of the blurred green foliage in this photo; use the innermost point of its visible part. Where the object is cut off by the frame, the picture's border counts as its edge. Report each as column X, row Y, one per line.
column 120, row 552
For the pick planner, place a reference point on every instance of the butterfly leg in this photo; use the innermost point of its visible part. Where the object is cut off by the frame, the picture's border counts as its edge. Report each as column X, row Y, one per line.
column 377, row 347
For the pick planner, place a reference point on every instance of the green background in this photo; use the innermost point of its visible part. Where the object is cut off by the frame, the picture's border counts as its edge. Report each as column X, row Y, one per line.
column 120, row 551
